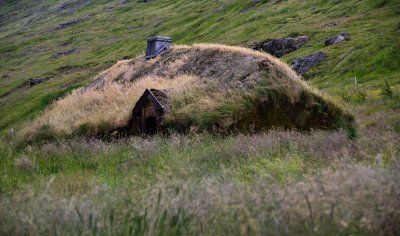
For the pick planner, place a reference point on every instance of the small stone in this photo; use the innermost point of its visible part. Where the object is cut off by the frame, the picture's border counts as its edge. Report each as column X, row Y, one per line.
column 336, row 39
column 36, row 81
column 303, row 64
column 11, row 132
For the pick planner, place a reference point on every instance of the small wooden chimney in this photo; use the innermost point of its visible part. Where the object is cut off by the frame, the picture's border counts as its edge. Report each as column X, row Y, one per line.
column 156, row 45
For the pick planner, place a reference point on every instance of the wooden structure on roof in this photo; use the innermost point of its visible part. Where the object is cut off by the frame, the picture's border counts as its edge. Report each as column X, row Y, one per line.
column 148, row 112
column 156, row 45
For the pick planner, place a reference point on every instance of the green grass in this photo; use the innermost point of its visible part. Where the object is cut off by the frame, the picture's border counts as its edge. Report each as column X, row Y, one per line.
column 177, row 184
column 162, row 157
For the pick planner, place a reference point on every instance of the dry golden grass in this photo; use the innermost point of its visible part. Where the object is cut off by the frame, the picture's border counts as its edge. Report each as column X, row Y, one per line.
column 111, row 105
column 202, row 97
column 276, row 66
column 276, row 63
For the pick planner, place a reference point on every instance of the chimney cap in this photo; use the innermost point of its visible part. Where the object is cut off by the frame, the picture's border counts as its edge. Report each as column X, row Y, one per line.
column 159, row 39
column 156, row 45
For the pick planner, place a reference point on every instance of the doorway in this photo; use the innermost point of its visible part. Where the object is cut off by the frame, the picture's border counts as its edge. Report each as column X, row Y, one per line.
column 150, row 125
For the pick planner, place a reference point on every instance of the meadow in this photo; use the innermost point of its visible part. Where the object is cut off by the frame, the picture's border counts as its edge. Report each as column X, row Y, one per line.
column 278, row 182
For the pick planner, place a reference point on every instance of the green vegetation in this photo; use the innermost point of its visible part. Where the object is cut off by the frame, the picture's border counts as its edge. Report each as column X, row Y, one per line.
column 279, row 182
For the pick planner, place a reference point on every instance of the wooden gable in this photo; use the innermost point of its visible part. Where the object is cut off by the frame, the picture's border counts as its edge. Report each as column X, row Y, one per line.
column 147, row 96
column 148, row 112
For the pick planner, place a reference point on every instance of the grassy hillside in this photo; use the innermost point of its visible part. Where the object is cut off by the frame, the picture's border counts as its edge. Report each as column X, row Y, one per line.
column 280, row 182
column 103, row 32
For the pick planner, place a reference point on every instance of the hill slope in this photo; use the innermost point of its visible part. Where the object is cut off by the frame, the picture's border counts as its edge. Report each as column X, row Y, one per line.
column 280, row 182
column 65, row 42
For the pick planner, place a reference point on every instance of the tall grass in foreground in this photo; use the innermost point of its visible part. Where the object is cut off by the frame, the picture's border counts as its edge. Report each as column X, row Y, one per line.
column 353, row 199
column 277, row 183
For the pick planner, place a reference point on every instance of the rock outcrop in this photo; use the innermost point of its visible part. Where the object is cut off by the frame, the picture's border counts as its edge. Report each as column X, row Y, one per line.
column 303, row 64
column 282, row 46
column 336, row 39
column 69, row 7
column 70, row 23
column 66, row 53
column 112, row 6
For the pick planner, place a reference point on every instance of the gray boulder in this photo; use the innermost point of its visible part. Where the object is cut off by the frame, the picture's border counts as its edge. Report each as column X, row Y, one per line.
column 336, row 39
column 282, row 46
column 36, row 81
column 69, row 7
column 303, row 64
column 72, row 22
column 68, row 24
